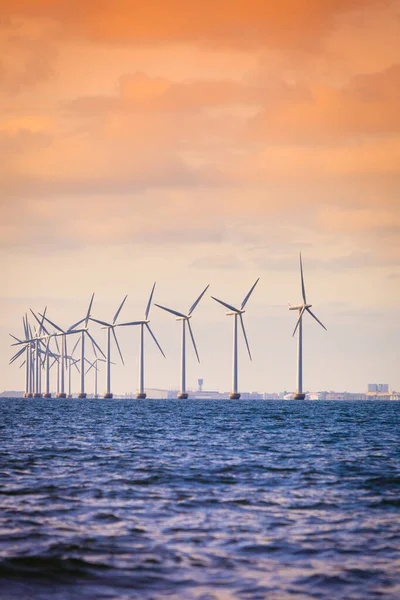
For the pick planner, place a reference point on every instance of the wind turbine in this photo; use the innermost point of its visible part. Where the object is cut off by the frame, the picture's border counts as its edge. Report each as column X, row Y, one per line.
column 46, row 361
column 93, row 365
column 183, row 395
column 28, row 355
column 38, row 364
column 237, row 313
column 85, row 331
column 301, row 308
column 145, row 323
column 31, row 345
column 63, row 355
column 111, row 328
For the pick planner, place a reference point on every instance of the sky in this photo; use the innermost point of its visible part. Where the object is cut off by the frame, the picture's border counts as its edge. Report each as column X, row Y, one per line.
column 206, row 143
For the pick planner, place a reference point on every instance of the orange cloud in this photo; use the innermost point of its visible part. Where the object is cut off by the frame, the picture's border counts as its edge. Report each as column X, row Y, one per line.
column 288, row 23
column 367, row 105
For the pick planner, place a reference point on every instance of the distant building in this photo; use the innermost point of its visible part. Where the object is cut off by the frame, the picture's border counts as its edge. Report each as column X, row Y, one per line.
column 378, row 388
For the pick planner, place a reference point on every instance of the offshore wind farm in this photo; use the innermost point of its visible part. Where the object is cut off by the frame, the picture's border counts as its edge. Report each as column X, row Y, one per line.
column 45, row 345
column 173, row 173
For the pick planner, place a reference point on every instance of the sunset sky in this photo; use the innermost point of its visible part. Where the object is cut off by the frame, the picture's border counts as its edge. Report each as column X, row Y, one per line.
column 195, row 143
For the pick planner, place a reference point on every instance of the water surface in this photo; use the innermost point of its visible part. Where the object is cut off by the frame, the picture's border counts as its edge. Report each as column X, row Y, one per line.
column 199, row 499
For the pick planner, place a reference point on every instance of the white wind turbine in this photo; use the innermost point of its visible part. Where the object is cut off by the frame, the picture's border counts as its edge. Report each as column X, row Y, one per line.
column 31, row 345
column 182, row 395
column 28, row 356
column 93, row 365
column 63, row 333
column 237, row 313
column 111, row 328
column 144, row 323
column 301, row 308
column 81, row 340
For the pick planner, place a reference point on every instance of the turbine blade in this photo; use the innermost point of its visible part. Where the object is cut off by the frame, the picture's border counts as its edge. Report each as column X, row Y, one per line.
column 249, row 294
column 146, row 314
column 52, row 324
column 76, row 345
column 16, row 356
column 22, row 364
column 89, row 309
column 100, row 322
column 54, row 362
column 193, row 342
column 96, row 344
column 155, row 339
column 94, row 349
column 244, row 335
column 91, row 367
column 16, row 339
column 40, row 321
column 57, row 345
column 130, row 323
column 198, row 300
column 318, row 321
column 75, row 325
column 119, row 310
column 303, row 289
column 25, row 322
column 298, row 320
column 226, row 305
column 41, row 324
column 173, row 312
column 71, row 332
column 116, row 342
column 47, row 348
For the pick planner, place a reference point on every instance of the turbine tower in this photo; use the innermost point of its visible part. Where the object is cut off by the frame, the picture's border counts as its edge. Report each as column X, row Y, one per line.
column 182, row 395
column 145, row 323
column 111, row 328
column 237, row 314
column 301, row 308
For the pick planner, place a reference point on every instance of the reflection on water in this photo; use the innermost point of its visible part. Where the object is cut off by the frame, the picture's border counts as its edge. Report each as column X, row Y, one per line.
column 203, row 499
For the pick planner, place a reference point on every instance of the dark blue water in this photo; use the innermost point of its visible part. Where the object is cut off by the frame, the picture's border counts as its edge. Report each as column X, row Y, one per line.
column 204, row 499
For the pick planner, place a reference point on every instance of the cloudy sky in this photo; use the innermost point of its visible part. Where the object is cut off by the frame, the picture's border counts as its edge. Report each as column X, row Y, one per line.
column 195, row 143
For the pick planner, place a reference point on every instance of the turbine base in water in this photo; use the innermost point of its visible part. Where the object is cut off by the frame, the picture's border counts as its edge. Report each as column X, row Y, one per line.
column 299, row 396
column 141, row 395
column 109, row 396
column 62, row 395
column 47, row 395
column 29, row 395
column 183, row 396
column 37, row 395
column 82, row 395
column 234, row 396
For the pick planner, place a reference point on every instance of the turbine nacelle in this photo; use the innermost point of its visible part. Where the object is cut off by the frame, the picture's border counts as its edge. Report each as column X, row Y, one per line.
column 300, row 306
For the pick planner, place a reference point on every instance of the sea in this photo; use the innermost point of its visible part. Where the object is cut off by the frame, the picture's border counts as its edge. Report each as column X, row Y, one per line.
column 202, row 499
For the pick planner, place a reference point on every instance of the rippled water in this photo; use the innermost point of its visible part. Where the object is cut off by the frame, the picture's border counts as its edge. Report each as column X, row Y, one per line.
column 208, row 500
